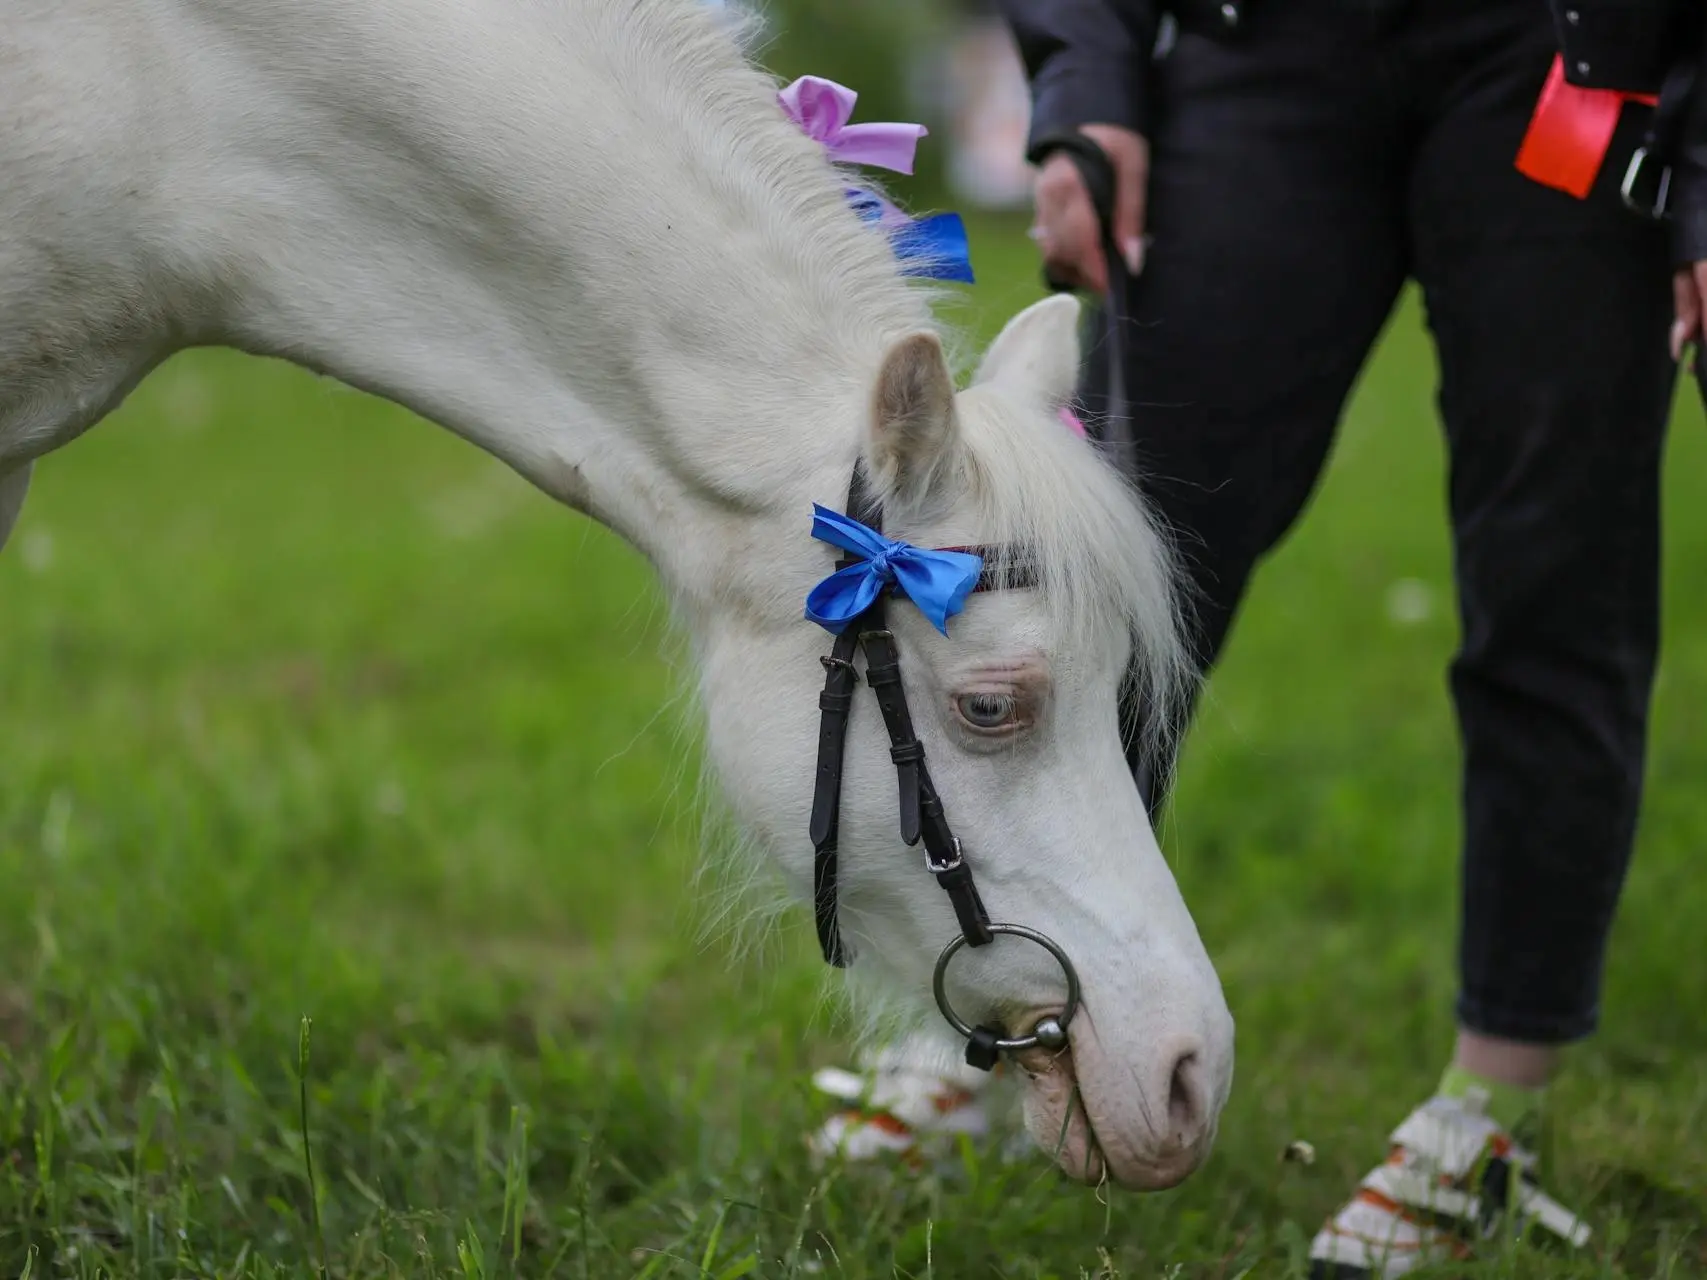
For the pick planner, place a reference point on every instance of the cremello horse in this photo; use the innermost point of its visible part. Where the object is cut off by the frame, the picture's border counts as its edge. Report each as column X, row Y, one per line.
column 582, row 235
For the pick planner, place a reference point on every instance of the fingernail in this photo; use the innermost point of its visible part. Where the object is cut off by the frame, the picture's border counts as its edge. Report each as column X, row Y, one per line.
column 1133, row 252
column 1679, row 333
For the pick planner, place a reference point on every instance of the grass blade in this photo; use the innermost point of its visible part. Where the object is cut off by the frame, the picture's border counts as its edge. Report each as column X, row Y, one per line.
column 307, row 1148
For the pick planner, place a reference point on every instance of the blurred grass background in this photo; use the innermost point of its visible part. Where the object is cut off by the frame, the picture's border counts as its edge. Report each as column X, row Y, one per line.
column 311, row 709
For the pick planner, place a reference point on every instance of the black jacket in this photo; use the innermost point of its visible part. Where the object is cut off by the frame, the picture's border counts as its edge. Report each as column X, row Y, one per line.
column 1689, row 175
column 1087, row 60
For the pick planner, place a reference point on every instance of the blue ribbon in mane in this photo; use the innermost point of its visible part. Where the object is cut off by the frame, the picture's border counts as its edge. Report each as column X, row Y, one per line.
column 933, row 247
column 938, row 582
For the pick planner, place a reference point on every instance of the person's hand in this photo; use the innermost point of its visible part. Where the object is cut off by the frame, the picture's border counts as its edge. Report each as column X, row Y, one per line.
column 1065, row 222
column 1688, row 290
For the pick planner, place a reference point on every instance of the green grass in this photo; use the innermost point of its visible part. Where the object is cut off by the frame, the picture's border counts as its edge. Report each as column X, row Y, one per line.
column 312, row 710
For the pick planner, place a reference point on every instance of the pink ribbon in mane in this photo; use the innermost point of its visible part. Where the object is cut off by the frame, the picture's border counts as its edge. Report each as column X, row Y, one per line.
column 822, row 108
column 1070, row 420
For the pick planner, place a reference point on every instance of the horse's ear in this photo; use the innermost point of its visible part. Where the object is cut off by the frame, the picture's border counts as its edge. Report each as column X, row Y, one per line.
column 1037, row 352
column 913, row 418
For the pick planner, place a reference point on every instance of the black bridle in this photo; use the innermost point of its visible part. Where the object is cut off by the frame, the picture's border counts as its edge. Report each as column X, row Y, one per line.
column 922, row 815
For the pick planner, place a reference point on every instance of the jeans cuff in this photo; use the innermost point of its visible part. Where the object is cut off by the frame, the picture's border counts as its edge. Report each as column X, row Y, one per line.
column 1488, row 1019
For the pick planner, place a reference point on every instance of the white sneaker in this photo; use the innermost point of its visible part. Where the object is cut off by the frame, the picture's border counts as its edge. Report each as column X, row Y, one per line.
column 902, row 1106
column 1452, row 1179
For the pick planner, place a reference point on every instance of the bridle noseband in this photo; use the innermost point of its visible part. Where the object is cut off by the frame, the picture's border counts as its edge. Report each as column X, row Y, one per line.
column 921, row 813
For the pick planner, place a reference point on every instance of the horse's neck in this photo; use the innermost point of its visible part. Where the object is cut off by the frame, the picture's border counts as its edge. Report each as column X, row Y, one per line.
column 581, row 234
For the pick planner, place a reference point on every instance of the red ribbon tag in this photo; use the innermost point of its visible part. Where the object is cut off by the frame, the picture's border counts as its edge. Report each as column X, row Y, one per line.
column 1570, row 132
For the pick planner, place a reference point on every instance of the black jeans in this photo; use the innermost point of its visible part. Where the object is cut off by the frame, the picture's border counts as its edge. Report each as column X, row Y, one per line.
column 1299, row 177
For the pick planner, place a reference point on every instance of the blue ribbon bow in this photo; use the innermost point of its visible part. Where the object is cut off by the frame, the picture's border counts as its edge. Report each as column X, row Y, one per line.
column 934, row 247
column 938, row 582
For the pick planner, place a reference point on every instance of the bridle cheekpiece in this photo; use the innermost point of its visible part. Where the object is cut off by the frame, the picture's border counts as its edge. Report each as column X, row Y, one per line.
column 851, row 604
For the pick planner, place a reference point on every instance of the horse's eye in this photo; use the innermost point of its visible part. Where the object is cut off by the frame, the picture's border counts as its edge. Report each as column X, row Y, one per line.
column 986, row 710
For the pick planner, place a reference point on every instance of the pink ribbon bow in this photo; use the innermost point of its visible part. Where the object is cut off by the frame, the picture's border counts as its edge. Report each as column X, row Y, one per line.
column 822, row 108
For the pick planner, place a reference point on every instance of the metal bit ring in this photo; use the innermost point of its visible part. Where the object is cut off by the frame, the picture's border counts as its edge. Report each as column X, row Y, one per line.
column 1043, row 1035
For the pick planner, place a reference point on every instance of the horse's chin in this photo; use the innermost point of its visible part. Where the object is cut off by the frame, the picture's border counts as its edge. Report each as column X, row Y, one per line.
column 1077, row 1111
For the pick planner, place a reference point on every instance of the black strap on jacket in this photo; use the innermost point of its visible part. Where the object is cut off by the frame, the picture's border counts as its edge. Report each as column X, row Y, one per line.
column 1646, row 188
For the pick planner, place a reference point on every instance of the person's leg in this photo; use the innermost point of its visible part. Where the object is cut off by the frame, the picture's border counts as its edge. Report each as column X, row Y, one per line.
column 1550, row 317
column 1275, row 210
column 1276, row 207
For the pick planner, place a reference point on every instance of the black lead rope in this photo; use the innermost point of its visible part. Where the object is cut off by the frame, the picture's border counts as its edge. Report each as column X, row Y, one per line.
column 1114, row 431
column 1113, row 428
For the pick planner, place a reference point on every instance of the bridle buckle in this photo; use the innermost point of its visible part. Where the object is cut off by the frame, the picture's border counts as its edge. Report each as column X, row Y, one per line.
column 832, row 663
column 941, row 868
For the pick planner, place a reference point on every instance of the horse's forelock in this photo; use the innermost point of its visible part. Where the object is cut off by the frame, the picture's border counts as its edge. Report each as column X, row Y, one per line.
column 1102, row 559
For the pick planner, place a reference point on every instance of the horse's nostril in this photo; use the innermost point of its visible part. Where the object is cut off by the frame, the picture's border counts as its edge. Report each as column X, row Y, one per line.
column 1187, row 1099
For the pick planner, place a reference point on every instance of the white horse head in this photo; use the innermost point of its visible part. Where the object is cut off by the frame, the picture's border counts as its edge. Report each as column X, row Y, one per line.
column 1017, row 709
column 582, row 236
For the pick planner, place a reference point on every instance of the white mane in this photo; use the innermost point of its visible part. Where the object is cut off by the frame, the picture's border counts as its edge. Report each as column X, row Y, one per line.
column 809, row 254
column 1101, row 556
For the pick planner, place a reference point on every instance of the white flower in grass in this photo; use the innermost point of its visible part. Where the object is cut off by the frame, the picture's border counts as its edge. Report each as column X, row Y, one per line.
column 35, row 549
column 1410, row 601
column 390, row 799
column 188, row 401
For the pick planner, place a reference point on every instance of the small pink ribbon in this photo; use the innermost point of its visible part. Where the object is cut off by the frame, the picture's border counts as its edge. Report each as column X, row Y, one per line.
column 1071, row 421
column 822, row 108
